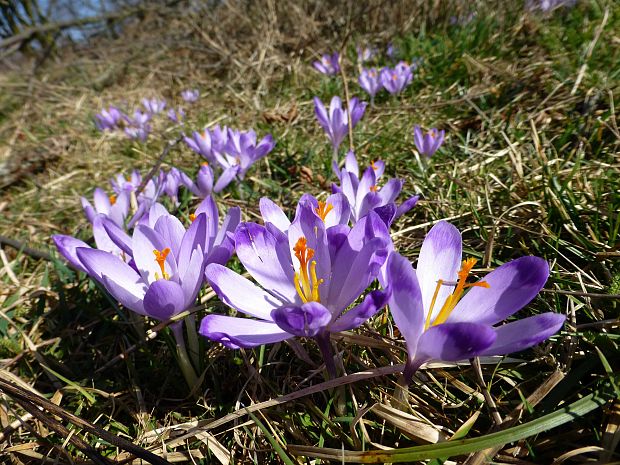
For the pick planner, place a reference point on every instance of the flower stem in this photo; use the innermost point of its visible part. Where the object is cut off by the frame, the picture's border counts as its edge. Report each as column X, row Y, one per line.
column 192, row 339
column 184, row 362
column 324, row 343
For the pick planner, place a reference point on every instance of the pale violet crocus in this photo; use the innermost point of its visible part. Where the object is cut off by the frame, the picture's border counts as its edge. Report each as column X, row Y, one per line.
column 445, row 318
column 306, row 280
column 176, row 116
column 203, row 185
column 240, row 153
column 138, row 127
column 208, row 142
column 154, row 105
column 190, row 95
column 173, row 180
column 335, row 120
column 365, row 54
column 120, row 183
column 370, row 81
column 108, row 119
column 364, row 194
column 115, row 207
column 328, row 64
column 428, row 143
column 395, row 79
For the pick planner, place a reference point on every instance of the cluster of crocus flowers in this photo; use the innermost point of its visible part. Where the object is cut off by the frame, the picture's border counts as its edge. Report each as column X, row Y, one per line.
column 234, row 151
column 307, row 280
column 335, row 120
column 190, row 95
column 108, row 119
column 427, row 144
column 395, row 79
column 329, row 64
column 442, row 316
column 364, row 193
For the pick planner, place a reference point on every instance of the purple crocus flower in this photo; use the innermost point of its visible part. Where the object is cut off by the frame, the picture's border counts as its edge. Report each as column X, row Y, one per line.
column 240, row 153
column 438, row 322
column 120, row 183
column 364, row 195
column 176, row 116
column 169, row 267
column 335, row 123
column 427, row 144
column 138, row 127
column 153, row 106
column 203, row 185
column 370, row 81
column 114, row 207
column 190, row 95
column 328, row 64
column 108, row 119
column 365, row 54
column 307, row 279
column 390, row 50
column 208, row 142
column 396, row 79
column 174, row 179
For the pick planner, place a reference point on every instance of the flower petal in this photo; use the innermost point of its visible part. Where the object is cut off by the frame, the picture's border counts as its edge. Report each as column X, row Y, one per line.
column 304, row 321
column 272, row 213
column 67, row 246
column 118, row 236
column 512, row 286
column 241, row 293
column 164, row 299
column 525, row 333
column 235, row 333
column 440, row 258
column 355, row 317
column 406, row 301
column 454, row 341
column 171, row 231
column 144, row 242
column 267, row 257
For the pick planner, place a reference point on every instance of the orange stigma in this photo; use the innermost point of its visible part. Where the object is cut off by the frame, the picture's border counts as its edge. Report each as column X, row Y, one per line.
column 373, row 188
column 306, row 281
column 374, row 166
column 454, row 298
column 205, row 163
column 112, row 199
column 192, row 217
column 160, row 258
column 323, row 209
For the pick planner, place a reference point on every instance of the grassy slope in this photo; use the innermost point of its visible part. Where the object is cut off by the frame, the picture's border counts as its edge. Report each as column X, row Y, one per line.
column 530, row 167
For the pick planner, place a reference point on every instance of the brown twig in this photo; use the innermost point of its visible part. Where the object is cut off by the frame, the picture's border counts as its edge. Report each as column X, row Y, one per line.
column 34, row 253
column 157, row 164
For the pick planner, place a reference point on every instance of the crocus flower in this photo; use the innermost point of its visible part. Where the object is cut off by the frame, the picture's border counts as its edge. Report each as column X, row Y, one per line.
column 174, row 179
column 335, row 123
column 207, row 142
column 169, row 266
column 364, row 194
column 396, row 79
column 240, row 153
column 427, row 144
column 108, row 119
column 114, row 207
column 120, row 183
column 328, row 64
column 190, row 95
column 307, row 279
column 138, row 127
column 153, row 106
column 440, row 322
column 203, row 185
column 365, row 54
column 176, row 116
column 370, row 81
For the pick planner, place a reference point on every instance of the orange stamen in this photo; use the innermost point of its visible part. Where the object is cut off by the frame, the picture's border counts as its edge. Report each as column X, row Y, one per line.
column 306, row 281
column 323, row 209
column 192, row 217
column 454, row 298
column 374, row 166
column 373, row 188
column 112, row 199
column 160, row 258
